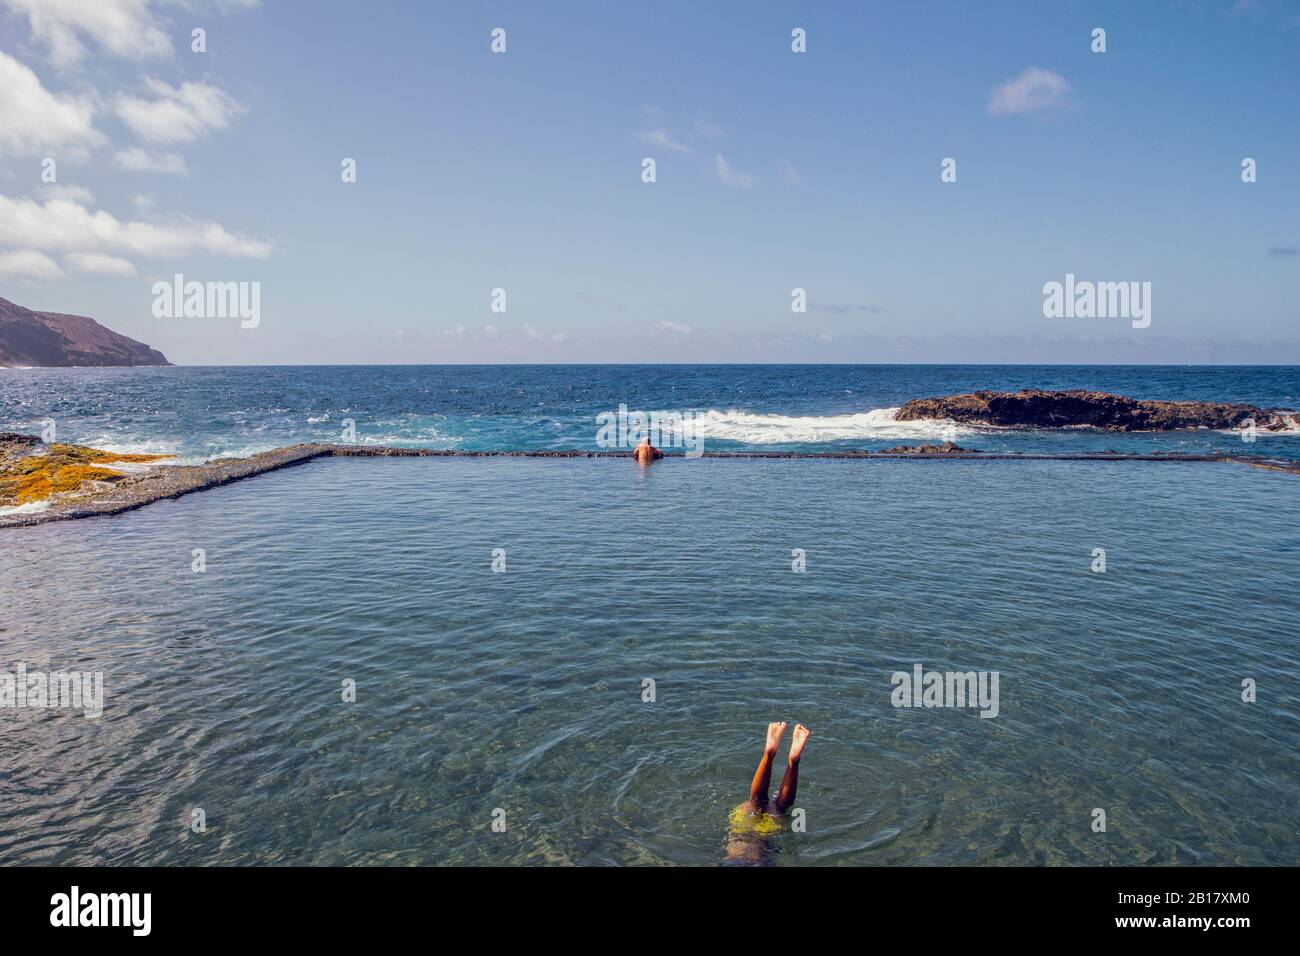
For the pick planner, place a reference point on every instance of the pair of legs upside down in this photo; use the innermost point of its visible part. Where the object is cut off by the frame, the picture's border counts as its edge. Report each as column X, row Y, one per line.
column 751, row 821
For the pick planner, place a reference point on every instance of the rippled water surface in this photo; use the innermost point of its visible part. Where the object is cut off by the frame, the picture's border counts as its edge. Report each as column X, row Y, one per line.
column 523, row 690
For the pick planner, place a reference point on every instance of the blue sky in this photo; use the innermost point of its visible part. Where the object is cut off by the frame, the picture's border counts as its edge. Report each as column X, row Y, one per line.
column 775, row 170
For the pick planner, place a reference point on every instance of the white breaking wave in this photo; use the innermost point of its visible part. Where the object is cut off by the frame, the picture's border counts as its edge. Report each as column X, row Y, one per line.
column 1290, row 419
column 180, row 454
column 32, row 507
column 875, row 425
column 138, row 445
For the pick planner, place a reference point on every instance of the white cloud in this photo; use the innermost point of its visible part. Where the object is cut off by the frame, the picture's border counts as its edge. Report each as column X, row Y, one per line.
column 731, row 177
column 491, row 331
column 101, row 264
column 1034, row 89
column 144, row 203
column 789, row 173
column 662, row 138
column 29, row 263
column 531, row 332
column 125, row 28
column 177, row 114
column 34, row 121
column 63, row 226
column 675, row 327
column 71, row 193
column 138, row 160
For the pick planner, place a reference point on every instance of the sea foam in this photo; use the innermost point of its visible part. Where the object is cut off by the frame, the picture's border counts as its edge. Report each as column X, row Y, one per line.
column 876, row 424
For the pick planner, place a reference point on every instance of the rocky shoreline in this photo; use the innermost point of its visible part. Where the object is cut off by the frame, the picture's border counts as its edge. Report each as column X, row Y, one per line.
column 106, row 490
column 1036, row 408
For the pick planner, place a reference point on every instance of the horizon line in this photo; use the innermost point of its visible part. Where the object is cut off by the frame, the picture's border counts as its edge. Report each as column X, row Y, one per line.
column 21, row 368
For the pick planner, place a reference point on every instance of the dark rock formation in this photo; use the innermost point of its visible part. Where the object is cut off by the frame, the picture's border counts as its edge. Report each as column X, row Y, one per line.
column 1035, row 408
column 52, row 339
column 14, row 445
column 947, row 448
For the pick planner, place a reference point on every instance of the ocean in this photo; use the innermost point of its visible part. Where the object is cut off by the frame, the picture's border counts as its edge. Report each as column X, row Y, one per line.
column 602, row 696
column 201, row 413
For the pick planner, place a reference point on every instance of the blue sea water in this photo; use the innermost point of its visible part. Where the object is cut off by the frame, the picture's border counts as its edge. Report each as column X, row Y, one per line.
column 521, row 694
column 207, row 412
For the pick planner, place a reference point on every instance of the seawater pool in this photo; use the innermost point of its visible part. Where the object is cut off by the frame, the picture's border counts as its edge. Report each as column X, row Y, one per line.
column 523, row 691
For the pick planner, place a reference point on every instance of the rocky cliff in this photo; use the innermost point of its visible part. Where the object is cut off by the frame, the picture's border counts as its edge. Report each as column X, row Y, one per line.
column 50, row 339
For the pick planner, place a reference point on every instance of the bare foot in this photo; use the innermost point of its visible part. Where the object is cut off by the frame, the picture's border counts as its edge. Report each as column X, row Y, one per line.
column 775, row 731
column 797, row 740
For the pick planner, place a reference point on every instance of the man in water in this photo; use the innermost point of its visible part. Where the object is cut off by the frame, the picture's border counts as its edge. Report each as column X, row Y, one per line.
column 751, row 823
column 646, row 452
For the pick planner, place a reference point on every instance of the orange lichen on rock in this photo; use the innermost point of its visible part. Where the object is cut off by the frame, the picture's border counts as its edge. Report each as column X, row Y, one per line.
column 42, row 483
column 84, row 454
column 62, row 470
column 129, row 457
